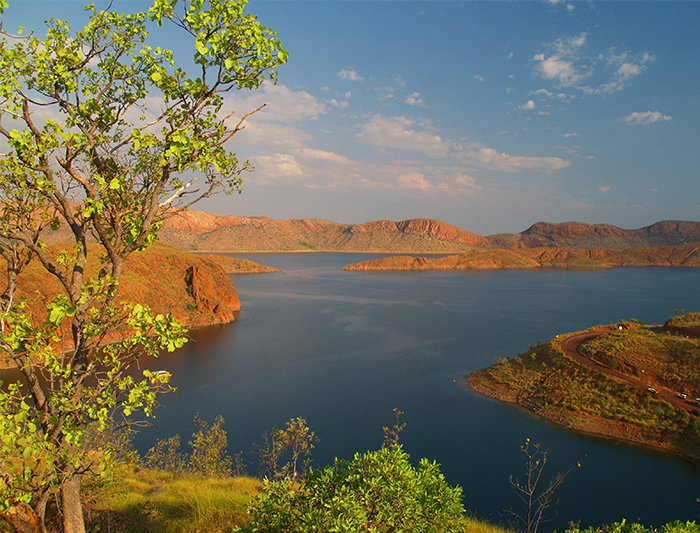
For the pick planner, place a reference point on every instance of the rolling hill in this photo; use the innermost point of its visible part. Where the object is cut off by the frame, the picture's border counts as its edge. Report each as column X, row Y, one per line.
column 206, row 232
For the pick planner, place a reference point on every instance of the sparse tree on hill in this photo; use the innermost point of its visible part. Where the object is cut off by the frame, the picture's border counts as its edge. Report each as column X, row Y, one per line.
column 105, row 136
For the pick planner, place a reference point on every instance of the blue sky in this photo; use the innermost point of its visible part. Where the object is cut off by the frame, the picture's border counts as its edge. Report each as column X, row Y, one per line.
column 489, row 115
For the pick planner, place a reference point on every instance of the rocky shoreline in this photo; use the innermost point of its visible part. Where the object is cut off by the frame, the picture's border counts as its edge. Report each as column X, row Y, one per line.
column 196, row 290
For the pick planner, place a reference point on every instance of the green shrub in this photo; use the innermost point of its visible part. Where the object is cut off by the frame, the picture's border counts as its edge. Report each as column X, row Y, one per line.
column 624, row 527
column 376, row 491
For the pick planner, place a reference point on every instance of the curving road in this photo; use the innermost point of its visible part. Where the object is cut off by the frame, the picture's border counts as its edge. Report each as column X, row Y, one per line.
column 570, row 346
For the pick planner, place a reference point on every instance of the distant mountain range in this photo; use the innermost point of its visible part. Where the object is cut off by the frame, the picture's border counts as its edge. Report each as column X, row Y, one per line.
column 206, row 232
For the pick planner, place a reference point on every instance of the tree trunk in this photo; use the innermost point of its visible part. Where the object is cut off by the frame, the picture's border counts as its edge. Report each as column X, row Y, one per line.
column 22, row 519
column 73, row 521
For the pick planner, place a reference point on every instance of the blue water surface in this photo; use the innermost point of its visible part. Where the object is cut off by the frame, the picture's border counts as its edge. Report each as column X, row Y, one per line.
column 343, row 349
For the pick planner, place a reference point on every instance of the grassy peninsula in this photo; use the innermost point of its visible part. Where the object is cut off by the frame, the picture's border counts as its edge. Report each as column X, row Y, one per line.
column 625, row 380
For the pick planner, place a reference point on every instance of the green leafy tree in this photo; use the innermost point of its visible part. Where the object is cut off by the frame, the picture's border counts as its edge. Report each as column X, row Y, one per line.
column 376, row 491
column 286, row 453
column 209, row 445
column 107, row 135
column 208, row 458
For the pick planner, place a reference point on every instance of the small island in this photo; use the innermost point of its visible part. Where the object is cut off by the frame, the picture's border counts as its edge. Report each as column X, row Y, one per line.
column 684, row 255
column 626, row 380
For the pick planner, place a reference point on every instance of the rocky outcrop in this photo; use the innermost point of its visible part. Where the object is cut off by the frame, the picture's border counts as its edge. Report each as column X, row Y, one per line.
column 205, row 289
column 195, row 290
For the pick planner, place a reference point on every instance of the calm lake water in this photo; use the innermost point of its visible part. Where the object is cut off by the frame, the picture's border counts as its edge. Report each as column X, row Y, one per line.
column 343, row 349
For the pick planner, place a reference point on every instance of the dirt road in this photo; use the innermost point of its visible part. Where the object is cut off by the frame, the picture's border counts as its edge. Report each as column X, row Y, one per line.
column 570, row 346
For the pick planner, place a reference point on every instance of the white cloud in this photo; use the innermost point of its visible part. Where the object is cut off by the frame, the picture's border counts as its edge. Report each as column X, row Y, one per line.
column 568, row 135
column 604, row 188
column 542, row 92
column 558, row 69
column 396, row 133
column 464, row 180
column 341, row 104
column 479, row 77
column 414, row 99
column 645, row 118
column 276, row 167
column 283, row 104
column 529, row 105
column 349, row 74
column 322, row 155
column 559, row 65
column 414, row 180
column 562, row 63
column 277, row 136
column 491, row 159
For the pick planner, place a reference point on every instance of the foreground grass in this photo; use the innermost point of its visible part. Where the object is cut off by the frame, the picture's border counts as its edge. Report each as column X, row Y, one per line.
column 142, row 500
column 137, row 500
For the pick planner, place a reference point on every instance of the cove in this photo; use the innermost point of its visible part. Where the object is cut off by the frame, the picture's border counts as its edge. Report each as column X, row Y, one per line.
column 342, row 349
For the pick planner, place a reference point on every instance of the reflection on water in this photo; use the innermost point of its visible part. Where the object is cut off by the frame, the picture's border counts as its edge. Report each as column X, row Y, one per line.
column 343, row 349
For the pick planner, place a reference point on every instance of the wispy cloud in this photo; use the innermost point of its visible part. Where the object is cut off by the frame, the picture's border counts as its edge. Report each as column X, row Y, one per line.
column 414, row 180
column 284, row 104
column 528, row 105
column 557, row 63
column 564, row 62
column 396, row 132
column 349, row 74
column 646, row 117
column 414, row 99
column 491, row 159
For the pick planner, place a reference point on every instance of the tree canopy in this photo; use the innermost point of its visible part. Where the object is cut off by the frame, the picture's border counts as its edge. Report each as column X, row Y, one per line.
column 104, row 134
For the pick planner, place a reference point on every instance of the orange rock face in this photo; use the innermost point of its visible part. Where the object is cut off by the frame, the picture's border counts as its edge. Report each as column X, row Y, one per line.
column 156, row 277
